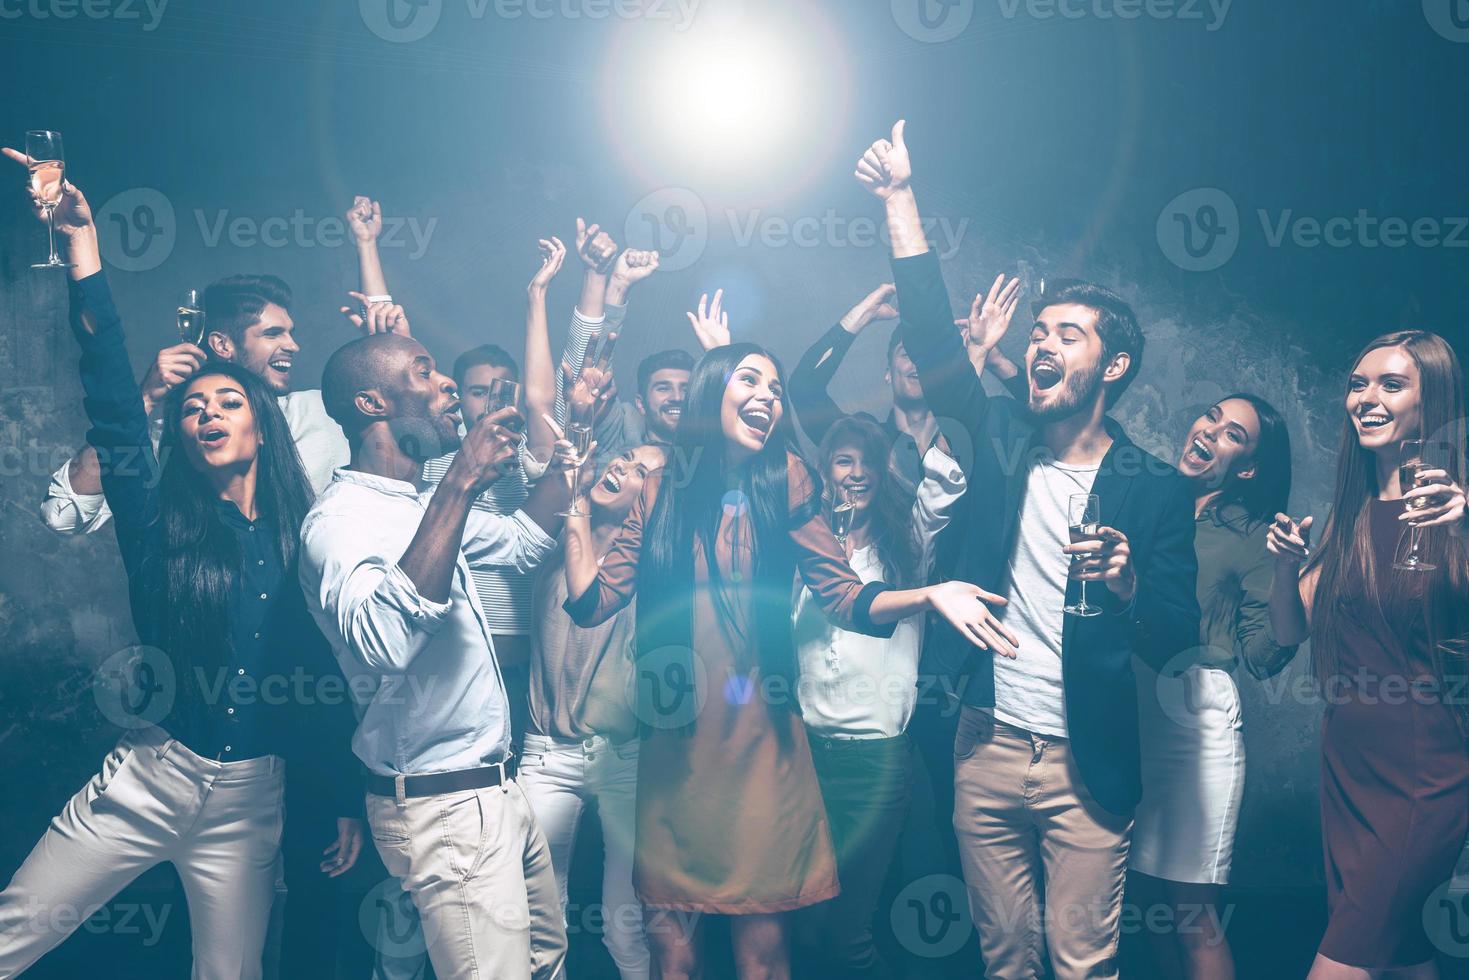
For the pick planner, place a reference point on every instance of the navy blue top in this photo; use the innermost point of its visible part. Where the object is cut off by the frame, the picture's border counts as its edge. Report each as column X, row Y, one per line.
column 277, row 690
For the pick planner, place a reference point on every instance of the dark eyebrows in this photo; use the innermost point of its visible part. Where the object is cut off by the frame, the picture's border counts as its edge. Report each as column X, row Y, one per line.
column 217, row 391
column 423, row 360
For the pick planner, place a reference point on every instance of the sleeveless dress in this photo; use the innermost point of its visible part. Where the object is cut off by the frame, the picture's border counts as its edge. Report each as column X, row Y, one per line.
column 1394, row 770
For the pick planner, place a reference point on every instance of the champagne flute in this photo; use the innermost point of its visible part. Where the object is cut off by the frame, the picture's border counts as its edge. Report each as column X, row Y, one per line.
column 191, row 317
column 841, row 517
column 579, row 434
column 47, row 164
column 1084, row 513
column 1410, row 465
column 504, row 393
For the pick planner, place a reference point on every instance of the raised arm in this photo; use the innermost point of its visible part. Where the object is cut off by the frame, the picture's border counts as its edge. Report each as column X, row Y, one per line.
column 950, row 385
column 815, row 409
column 598, row 591
column 365, row 218
column 540, row 372
column 711, row 322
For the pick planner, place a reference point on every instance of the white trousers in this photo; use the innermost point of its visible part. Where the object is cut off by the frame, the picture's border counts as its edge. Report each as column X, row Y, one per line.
column 479, row 874
column 560, row 777
column 218, row 823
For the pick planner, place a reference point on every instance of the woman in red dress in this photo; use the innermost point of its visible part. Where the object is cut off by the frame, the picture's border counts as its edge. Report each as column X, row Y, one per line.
column 1388, row 644
column 730, row 819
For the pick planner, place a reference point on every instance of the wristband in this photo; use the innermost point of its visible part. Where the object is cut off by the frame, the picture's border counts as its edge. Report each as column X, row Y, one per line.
column 384, row 298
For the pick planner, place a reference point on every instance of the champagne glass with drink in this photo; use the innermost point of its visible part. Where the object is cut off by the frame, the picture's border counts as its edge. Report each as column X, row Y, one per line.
column 191, row 317
column 1084, row 514
column 47, row 165
column 842, row 513
column 579, row 434
column 1410, row 468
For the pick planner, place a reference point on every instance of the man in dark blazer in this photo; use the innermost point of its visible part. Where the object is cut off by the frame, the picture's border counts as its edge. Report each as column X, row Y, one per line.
column 1047, row 768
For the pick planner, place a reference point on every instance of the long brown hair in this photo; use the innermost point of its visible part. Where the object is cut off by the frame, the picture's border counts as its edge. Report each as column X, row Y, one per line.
column 891, row 513
column 1345, row 554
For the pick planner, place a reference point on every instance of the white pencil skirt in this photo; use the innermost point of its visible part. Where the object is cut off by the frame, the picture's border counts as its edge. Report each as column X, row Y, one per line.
column 1193, row 768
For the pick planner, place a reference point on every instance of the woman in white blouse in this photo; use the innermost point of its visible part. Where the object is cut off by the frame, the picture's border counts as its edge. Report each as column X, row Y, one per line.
column 857, row 692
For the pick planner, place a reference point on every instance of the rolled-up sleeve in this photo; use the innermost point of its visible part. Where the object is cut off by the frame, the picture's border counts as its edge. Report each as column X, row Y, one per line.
column 512, row 540
column 67, row 512
column 942, row 485
column 364, row 599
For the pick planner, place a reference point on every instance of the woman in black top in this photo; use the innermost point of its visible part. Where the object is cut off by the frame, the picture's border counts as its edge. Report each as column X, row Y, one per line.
column 215, row 696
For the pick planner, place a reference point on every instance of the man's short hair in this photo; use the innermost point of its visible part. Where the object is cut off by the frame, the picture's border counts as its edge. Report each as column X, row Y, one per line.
column 492, row 354
column 1117, row 325
column 664, row 360
column 367, row 362
column 234, row 304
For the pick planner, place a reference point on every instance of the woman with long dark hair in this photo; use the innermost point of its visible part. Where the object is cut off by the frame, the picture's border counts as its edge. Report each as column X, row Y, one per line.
column 1237, row 455
column 858, row 693
column 208, row 531
column 1388, row 646
column 730, row 818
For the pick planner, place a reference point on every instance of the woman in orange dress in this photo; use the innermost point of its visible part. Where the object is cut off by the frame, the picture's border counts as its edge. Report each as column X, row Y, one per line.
column 730, row 818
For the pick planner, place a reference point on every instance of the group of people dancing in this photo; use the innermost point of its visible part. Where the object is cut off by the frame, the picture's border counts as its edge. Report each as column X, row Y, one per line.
column 544, row 597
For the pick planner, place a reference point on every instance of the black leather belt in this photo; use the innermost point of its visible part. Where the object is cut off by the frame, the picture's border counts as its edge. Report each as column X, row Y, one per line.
column 438, row 783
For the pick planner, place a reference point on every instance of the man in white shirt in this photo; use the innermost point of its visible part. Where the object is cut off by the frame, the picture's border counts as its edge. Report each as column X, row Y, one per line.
column 248, row 322
column 385, row 565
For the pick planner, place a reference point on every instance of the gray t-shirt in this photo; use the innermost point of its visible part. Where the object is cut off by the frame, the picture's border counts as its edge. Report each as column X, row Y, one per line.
column 1028, row 690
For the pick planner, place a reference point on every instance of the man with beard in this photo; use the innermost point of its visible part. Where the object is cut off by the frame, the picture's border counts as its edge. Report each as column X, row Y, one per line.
column 652, row 417
column 385, row 568
column 249, row 323
column 1047, row 768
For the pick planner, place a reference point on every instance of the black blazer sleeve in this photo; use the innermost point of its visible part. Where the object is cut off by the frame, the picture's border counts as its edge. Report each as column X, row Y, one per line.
column 815, row 408
column 950, row 386
column 1166, row 606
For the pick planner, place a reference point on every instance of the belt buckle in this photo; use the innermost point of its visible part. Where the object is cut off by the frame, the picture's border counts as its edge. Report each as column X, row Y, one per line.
column 501, row 766
column 400, row 789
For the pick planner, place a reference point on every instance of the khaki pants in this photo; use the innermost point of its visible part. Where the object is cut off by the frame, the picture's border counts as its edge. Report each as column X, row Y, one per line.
column 479, row 872
column 1028, row 829
column 218, row 823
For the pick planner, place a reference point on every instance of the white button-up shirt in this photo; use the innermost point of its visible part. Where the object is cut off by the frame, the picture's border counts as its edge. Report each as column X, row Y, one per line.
column 856, row 686
column 423, row 674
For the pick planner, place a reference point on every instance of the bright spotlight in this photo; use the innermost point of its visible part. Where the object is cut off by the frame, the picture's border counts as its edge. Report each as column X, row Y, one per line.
column 728, row 105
